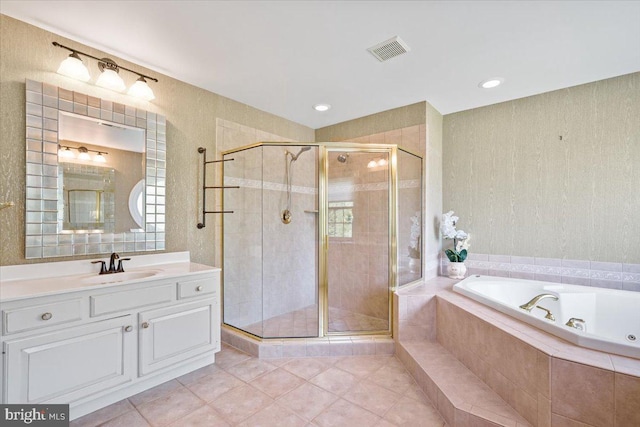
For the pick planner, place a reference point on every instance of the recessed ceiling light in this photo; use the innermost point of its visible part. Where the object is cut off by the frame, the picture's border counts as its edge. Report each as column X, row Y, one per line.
column 491, row 83
column 321, row 107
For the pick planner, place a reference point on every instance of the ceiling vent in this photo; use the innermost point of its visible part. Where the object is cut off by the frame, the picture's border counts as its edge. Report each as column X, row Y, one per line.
column 388, row 49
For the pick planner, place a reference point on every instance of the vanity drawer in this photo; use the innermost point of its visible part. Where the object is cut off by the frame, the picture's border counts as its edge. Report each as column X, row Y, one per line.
column 127, row 300
column 42, row 316
column 198, row 287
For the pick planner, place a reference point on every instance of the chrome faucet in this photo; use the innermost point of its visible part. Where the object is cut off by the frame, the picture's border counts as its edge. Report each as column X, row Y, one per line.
column 534, row 301
column 112, row 264
column 577, row 323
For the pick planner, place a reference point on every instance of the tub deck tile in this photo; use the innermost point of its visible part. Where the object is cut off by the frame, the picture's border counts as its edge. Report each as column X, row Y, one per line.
column 626, row 365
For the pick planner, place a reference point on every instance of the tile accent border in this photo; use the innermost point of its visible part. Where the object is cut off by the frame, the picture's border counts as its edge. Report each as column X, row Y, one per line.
column 610, row 275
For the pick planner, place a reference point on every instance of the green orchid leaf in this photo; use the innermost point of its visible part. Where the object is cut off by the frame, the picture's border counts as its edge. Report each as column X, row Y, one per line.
column 451, row 255
column 463, row 255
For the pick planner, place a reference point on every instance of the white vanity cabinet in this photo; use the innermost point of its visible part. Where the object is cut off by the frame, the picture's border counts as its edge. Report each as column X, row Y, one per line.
column 172, row 334
column 94, row 346
column 63, row 366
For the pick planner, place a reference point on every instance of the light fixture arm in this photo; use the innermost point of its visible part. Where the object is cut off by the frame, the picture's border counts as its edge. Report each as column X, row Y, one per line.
column 110, row 63
column 81, row 149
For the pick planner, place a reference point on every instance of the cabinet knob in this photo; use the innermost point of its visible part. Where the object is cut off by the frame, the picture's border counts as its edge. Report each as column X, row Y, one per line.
column 145, row 325
column 46, row 316
column 128, row 328
column 199, row 288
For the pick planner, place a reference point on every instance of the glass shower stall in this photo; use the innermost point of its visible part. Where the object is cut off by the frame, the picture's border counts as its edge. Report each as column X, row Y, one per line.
column 320, row 236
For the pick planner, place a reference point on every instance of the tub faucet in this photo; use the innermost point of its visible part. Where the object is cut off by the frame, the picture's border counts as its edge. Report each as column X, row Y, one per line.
column 579, row 324
column 529, row 306
column 549, row 315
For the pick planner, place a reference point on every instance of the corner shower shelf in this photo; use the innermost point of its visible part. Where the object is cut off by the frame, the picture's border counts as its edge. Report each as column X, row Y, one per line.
column 206, row 187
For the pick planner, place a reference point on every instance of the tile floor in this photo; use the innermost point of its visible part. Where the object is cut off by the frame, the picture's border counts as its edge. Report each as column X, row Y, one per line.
column 304, row 323
column 240, row 390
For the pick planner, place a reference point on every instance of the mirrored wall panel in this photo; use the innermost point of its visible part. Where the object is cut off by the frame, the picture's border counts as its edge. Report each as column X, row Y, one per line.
column 96, row 175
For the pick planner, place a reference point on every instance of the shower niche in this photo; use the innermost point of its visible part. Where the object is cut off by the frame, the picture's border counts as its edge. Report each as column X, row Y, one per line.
column 320, row 237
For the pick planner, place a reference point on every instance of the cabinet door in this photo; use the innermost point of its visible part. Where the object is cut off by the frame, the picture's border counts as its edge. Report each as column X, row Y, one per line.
column 172, row 334
column 60, row 367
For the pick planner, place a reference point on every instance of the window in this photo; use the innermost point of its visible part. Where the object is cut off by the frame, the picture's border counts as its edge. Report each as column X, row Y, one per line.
column 341, row 219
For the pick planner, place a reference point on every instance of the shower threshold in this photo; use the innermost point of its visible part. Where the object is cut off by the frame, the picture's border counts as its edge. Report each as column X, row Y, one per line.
column 280, row 329
column 304, row 323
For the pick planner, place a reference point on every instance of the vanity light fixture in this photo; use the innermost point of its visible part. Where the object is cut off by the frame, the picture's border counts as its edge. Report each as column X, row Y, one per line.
column 491, row 83
column 321, row 107
column 109, row 77
column 83, row 153
column 65, row 151
column 100, row 158
column 74, row 68
column 141, row 89
column 380, row 163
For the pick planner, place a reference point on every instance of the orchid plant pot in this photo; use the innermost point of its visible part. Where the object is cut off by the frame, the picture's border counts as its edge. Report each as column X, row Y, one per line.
column 456, row 270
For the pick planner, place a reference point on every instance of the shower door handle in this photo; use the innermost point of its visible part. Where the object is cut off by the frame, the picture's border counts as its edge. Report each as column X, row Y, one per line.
column 310, row 211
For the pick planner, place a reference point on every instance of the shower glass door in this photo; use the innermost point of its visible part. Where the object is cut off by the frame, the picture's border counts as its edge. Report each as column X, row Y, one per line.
column 358, row 240
column 271, row 240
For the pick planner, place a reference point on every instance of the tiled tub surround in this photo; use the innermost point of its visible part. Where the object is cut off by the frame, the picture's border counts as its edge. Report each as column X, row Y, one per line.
column 611, row 275
column 475, row 353
column 43, row 103
column 610, row 316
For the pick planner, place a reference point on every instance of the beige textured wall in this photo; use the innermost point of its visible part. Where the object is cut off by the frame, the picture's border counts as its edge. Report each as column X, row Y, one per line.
column 520, row 190
column 26, row 53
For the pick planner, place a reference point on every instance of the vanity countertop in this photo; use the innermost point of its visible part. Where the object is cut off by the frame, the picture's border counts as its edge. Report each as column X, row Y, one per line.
column 16, row 287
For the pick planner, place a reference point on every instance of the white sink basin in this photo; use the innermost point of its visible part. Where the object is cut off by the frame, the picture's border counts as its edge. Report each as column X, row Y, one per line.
column 118, row 277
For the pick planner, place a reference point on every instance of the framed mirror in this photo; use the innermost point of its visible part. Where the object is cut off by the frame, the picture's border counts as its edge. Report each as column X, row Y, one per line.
column 96, row 175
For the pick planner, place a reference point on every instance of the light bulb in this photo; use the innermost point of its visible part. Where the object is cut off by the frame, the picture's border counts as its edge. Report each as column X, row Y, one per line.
column 100, row 158
column 321, row 107
column 372, row 164
column 73, row 67
column 110, row 79
column 141, row 89
column 491, row 83
column 84, row 154
column 382, row 162
column 66, row 153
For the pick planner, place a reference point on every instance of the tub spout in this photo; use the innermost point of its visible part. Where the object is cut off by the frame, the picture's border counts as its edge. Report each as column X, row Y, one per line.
column 534, row 301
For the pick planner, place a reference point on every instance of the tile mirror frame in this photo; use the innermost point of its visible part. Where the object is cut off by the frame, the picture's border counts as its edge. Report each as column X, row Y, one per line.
column 43, row 238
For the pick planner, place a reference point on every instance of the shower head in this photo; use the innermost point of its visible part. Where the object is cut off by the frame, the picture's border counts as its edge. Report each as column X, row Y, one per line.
column 294, row 157
column 342, row 158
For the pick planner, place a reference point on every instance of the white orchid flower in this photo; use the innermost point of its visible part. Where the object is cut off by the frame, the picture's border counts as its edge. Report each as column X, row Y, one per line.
column 448, row 231
column 464, row 244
